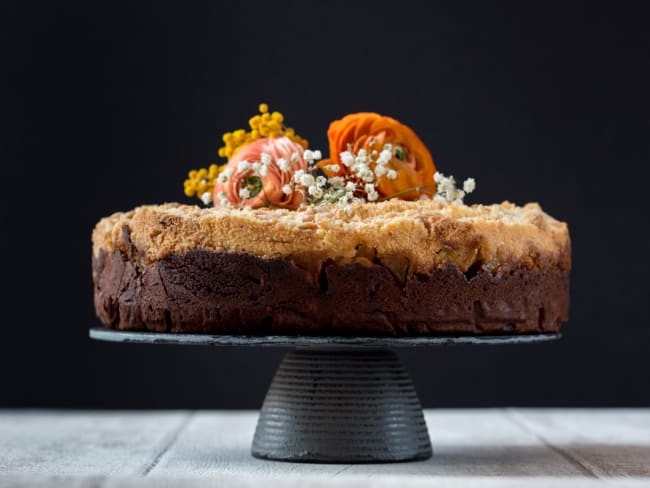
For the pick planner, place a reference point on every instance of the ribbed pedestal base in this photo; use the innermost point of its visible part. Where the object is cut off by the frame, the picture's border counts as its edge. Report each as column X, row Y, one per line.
column 341, row 406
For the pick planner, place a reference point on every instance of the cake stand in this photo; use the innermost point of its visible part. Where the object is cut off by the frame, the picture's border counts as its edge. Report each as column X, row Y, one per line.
column 334, row 399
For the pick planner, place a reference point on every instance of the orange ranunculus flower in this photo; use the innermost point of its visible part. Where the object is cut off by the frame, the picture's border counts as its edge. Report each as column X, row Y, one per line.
column 370, row 131
column 245, row 187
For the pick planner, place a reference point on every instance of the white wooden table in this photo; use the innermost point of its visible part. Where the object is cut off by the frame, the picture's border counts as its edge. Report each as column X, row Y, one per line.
column 472, row 448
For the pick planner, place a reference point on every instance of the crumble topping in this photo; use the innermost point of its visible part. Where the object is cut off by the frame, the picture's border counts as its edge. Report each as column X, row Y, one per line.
column 425, row 234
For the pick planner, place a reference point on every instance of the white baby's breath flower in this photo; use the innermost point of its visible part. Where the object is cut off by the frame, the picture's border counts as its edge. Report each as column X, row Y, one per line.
column 380, row 170
column 369, row 188
column 243, row 166
column 469, row 185
column 266, row 159
column 385, row 157
column 347, row 158
column 224, row 175
column 388, row 147
column 359, row 167
column 264, row 170
column 320, row 181
column 373, row 196
column 287, row 190
column 310, row 156
column 284, row 165
column 362, row 157
column 392, row 174
column 336, row 181
column 447, row 186
column 447, row 192
column 223, row 198
column 256, row 167
column 315, row 191
column 244, row 193
column 298, row 174
column 206, row 198
column 317, row 155
column 307, row 180
column 363, row 171
column 439, row 199
column 350, row 186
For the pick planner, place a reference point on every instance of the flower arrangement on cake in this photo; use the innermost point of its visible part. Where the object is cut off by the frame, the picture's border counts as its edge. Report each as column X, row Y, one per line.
column 372, row 158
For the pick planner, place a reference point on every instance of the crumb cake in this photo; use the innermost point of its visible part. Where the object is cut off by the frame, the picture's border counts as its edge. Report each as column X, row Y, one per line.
column 391, row 268
column 371, row 240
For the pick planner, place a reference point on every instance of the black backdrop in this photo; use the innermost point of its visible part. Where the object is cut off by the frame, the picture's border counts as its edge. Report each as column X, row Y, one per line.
column 107, row 106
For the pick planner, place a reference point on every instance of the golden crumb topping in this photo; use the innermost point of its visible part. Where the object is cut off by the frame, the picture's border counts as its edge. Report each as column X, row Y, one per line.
column 424, row 234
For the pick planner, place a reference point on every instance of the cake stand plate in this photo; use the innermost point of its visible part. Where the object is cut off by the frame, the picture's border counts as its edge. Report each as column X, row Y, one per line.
column 334, row 399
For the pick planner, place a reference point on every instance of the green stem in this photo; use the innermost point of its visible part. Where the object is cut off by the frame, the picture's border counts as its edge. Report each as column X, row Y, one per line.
column 421, row 188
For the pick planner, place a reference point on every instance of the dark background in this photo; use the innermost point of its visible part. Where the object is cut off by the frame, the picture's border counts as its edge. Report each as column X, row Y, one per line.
column 106, row 106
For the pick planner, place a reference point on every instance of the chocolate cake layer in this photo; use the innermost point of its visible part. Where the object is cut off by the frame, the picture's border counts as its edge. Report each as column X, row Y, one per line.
column 238, row 293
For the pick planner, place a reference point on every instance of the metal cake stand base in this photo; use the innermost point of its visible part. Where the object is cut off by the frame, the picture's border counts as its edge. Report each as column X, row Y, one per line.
column 334, row 399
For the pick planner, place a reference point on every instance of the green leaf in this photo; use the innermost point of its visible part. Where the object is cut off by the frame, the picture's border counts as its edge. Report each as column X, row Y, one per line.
column 254, row 185
column 400, row 153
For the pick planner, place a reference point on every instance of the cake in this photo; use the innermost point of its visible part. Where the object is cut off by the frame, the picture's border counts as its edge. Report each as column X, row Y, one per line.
column 400, row 256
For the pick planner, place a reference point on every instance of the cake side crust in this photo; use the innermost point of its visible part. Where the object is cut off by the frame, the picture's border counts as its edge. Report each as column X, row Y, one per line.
column 235, row 293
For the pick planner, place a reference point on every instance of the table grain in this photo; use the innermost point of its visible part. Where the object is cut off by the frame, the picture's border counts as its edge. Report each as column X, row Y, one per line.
column 472, row 448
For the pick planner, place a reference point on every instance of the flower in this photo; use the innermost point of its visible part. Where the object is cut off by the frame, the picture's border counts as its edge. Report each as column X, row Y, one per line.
column 201, row 181
column 446, row 191
column 263, row 125
column 255, row 178
column 408, row 163
column 469, row 185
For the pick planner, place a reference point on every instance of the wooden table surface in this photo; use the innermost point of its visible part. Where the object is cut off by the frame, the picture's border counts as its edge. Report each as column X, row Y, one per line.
column 472, row 448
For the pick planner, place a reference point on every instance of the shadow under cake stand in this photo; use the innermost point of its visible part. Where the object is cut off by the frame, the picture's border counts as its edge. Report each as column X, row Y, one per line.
column 334, row 399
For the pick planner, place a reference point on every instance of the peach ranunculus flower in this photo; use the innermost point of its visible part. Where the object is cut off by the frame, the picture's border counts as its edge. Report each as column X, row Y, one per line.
column 411, row 160
column 259, row 173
